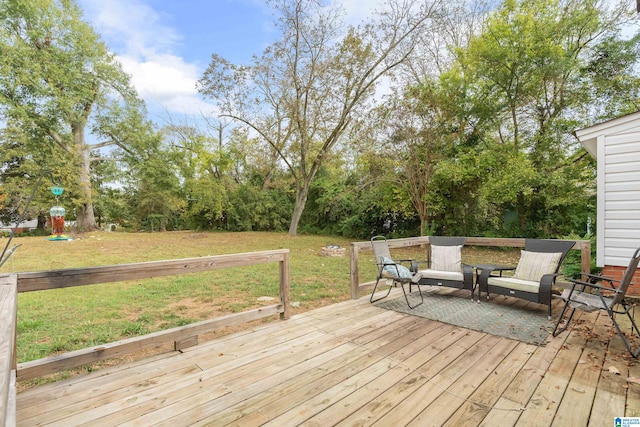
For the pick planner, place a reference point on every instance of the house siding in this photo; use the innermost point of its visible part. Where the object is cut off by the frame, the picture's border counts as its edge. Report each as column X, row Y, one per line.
column 615, row 144
column 621, row 195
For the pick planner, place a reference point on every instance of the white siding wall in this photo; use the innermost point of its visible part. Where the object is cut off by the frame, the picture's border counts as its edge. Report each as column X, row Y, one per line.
column 621, row 208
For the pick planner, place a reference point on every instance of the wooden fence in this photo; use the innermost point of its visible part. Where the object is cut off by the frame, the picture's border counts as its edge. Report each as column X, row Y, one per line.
column 181, row 337
column 584, row 246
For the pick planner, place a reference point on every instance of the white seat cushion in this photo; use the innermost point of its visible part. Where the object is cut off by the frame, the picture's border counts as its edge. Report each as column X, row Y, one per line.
column 515, row 284
column 441, row 275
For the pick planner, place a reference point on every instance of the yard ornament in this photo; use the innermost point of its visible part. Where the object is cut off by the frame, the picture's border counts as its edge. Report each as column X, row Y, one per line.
column 57, row 217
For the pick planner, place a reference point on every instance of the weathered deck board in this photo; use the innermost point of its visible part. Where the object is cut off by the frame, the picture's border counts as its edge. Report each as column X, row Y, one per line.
column 355, row 364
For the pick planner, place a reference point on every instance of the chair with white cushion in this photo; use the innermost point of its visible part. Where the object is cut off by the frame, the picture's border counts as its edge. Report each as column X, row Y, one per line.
column 445, row 267
column 535, row 274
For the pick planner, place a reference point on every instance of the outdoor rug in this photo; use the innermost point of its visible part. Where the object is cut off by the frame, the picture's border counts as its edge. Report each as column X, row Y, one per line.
column 517, row 323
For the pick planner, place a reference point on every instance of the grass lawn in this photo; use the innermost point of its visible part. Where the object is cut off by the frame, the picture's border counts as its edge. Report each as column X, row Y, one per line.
column 63, row 320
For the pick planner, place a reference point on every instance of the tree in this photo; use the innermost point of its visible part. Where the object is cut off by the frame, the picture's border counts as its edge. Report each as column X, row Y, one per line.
column 58, row 82
column 533, row 69
column 153, row 184
column 21, row 160
column 301, row 95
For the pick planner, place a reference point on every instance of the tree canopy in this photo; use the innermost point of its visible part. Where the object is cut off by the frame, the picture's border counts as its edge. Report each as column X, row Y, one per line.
column 58, row 82
column 431, row 117
column 301, row 94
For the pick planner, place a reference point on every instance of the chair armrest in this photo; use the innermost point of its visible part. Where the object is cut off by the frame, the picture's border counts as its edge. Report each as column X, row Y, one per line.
column 546, row 284
column 415, row 265
column 467, row 275
column 593, row 285
column 595, row 278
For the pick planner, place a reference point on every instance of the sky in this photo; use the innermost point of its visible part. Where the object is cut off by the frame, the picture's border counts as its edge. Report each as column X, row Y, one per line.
column 165, row 45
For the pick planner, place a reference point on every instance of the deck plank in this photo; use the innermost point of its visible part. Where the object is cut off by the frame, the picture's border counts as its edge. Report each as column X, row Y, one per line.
column 352, row 363
column 544, row 403
column 325, row 408
column 459, row 393
column 483, row 399
column 263, row 410
column 609, row 400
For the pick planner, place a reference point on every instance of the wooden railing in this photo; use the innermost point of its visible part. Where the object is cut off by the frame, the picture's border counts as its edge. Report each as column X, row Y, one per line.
column 181, row 337
column 584, row 246
column 8, row 316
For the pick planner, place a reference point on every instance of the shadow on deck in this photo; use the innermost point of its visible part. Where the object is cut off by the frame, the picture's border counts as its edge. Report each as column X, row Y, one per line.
column 356, row 364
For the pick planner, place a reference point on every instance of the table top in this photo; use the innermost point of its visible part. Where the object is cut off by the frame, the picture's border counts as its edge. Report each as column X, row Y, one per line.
column 492, row 267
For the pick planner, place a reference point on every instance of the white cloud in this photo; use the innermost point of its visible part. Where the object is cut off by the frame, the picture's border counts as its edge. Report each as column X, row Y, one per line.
column 149, row 49
column 358, row 10
column 146, row 48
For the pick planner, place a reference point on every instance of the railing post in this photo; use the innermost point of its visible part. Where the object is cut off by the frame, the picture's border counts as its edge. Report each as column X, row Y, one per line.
column 353, row 271
column 585, row 254
column 285, row 287
column 8, row 319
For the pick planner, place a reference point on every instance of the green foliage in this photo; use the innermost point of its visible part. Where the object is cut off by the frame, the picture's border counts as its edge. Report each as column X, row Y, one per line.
column 572, row 266
column 528, row 69
column 253, row 208
column 58, row 82
column 480, row 145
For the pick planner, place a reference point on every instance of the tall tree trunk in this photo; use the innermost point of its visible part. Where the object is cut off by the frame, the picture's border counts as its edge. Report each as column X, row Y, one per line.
column 302, row 191
column 423, row 226
column 85, row 218
column 42, row 221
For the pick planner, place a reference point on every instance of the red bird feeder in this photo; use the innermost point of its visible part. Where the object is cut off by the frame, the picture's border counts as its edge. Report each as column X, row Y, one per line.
column 57, row 217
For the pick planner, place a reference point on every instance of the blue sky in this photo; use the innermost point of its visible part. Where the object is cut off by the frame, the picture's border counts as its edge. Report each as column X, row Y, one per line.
column 165, row 45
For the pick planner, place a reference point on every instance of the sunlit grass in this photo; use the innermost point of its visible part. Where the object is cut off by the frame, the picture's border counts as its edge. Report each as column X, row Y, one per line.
column 63, row 320
column 68, row 319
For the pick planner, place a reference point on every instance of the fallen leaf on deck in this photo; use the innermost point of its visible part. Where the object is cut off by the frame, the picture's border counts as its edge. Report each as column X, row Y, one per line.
column 634, row 380
column 613, row 370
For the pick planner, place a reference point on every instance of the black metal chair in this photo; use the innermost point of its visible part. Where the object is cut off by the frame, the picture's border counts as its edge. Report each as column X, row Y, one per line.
column 392, row 271
column 588, row 296
column 537, row 289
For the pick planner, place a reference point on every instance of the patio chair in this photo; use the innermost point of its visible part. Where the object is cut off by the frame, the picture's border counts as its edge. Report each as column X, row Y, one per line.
column 392, row 271
column 445, row 267
column 587, row 295
column 534, row 275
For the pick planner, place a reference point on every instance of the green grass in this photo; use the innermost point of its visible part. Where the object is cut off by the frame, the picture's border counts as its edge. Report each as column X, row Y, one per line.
column 62, row 320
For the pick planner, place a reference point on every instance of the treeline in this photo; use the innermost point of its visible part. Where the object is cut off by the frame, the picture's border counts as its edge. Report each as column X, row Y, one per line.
column 433, row 117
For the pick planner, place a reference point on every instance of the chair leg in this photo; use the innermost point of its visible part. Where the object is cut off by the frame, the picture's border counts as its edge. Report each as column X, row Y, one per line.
column 557, row 331
column 406, row 297
column 636, row 353
column 374, row 291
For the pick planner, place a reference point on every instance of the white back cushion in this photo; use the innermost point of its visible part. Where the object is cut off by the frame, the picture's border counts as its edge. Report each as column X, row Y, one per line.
column 446, row 258
column 534, row 265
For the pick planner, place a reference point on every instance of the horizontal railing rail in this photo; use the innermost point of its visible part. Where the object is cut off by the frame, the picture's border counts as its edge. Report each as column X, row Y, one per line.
column 181, row 337
column 584, row 246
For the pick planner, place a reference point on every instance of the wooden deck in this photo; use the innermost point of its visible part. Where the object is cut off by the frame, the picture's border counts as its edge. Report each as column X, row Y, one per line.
column 356, row 364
